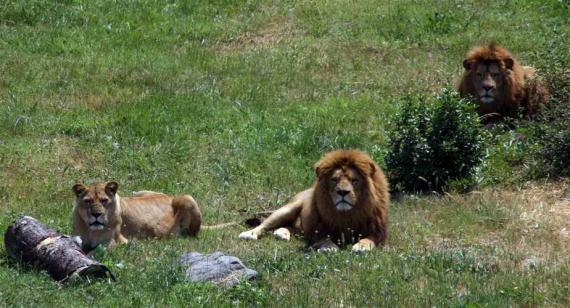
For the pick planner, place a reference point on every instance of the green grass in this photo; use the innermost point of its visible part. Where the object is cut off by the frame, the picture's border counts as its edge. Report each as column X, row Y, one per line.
column 233, row 102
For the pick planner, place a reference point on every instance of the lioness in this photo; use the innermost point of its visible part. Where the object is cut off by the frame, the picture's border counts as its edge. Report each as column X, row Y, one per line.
column 348, row 203
column 100, row 216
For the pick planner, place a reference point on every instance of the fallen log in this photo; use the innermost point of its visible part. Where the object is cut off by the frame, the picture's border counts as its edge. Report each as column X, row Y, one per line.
column 29, row 241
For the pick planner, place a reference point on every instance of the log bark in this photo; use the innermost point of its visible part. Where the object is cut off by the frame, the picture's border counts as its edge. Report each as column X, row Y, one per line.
column 29, row 241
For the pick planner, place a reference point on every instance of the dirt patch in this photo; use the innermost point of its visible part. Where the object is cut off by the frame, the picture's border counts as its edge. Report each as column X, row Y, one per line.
column 275, row 32
column 95, row 101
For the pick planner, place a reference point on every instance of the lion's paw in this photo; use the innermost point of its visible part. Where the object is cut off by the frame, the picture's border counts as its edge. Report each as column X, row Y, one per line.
column 248, row 235
column 282, row 234
column 362, row 247
column 326, row 245
column 331, row 248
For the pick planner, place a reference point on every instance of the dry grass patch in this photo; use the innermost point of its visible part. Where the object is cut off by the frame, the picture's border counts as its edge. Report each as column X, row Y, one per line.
column 532, row 232
column 277, row 31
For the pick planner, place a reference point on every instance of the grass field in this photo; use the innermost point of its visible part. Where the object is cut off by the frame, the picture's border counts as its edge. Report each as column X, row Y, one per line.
column 233, row 102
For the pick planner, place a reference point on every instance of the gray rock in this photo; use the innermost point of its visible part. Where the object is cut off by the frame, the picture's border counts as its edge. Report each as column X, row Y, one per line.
column 216, row 268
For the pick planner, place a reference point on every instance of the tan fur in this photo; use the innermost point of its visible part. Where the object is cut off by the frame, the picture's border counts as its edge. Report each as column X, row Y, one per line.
column 147, row 214
column 510, row 86
column 327, row 222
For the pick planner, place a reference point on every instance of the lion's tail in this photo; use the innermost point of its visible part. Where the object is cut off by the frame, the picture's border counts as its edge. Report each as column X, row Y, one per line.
column 253, row 221
column 189, row 214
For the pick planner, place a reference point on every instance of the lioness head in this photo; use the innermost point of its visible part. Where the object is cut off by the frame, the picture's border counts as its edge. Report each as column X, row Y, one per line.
column 95, row 202
column 345, row 174
column 488, row 77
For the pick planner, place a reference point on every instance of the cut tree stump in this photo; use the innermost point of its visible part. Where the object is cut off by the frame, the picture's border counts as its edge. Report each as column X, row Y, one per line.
column 32, row 242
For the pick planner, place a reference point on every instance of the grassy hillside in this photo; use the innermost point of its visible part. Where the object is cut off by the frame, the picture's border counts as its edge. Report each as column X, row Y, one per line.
column 232, row 102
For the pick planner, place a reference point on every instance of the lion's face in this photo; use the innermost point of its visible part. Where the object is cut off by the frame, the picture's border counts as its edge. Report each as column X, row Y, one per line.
column 344, row 186
column 489, row 79
column 95, row 202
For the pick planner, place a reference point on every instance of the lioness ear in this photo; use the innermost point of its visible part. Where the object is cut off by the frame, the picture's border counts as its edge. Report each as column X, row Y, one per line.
column 509, row 63
column 111, row 188
column 78, row 189
column 467, row 64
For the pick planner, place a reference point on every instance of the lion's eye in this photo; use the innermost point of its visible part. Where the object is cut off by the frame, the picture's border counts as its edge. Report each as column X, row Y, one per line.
column 88, row 200
column 104, row 201
column 354, row 181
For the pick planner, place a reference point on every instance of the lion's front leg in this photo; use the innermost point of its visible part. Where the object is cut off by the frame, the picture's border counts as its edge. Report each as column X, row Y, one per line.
column 117, row 239
column 252, row 234
column 325, row 245
column 283, row 233
column 282, row 217
column 365, row 244
column 120, row 239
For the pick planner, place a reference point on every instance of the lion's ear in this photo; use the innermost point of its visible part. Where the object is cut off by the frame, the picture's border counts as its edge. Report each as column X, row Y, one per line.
column 78, row 189
column 467, row 64
column 111, row 188
column 319, row 168
column 509, row 63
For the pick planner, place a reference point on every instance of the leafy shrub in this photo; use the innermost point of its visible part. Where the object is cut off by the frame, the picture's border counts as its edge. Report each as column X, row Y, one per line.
column 556, row 152
column 551, row 132
column 554, row 132
column 434, row 142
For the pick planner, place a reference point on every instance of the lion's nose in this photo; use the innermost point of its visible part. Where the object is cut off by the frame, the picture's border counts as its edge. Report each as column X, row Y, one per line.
column 343, row 192
column 96, row 215
column 487, row 88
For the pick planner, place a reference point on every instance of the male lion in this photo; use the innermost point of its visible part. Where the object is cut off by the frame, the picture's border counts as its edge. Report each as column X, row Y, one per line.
column 348, row 203
column 100, row 216
column 500, row 85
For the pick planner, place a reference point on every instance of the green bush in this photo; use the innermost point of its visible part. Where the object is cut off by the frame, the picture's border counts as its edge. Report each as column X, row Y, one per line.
column 556, row 152
column 435, row 142
column 551, row 132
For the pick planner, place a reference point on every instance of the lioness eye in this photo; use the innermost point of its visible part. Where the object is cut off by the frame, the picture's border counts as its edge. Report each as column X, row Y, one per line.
column 88, row 200
column 104, row 201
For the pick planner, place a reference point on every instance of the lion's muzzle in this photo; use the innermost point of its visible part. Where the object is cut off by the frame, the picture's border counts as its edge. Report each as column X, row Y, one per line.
column 343, row 198
column 96, row 221
column 343, row 202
